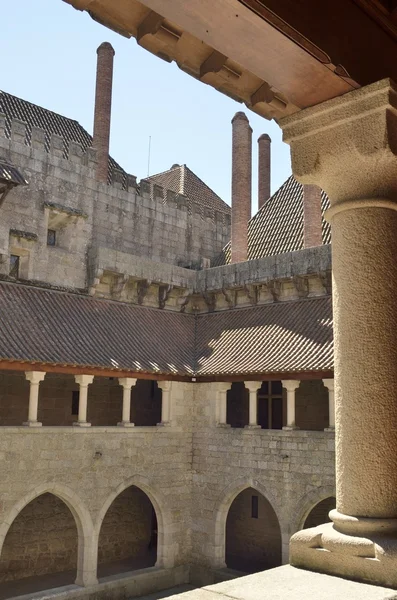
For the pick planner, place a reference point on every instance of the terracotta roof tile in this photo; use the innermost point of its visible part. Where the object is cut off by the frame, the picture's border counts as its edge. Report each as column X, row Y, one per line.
column 278, row 226
column 60, row 328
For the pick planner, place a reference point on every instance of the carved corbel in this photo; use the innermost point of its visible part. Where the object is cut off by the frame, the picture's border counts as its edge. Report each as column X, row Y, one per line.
column 230, row 297
column 118, row 285
column 252, row 293
column 142, row 288
column 210, row 300
column 274, row 288
column 301, row 285
column 266, row 94
column 164, row 293
column 326, row 281
column 183, row 300
column 149, row 25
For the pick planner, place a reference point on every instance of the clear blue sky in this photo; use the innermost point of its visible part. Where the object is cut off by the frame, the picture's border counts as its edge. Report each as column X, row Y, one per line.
column 49, row 58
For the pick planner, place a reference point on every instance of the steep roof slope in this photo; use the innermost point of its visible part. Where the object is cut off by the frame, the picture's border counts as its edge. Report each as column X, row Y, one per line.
column 278, row 226
column 53, row 123
column 182, row 180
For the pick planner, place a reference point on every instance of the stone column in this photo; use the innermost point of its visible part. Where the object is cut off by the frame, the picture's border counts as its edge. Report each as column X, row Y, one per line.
column 34, row 377
column 329, row 384
column 222, row 389
column 348, row 147
column 84, row 381
column 291, row 385
column 253, row 387
column 127, row 383
column 241, row 186
column 166, row 408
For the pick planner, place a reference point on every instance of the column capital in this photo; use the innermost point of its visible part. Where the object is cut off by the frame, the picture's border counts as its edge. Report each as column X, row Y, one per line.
column 348, row 146
column 84, row 380
column 164, row 385
column 253, row 386
column 127, row 382
column 290, row 384
column 223, row 386
column 35, row 376
column 329, row 384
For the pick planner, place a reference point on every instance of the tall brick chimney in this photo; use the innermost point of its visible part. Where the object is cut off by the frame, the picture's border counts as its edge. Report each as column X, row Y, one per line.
column 241, row 186
column 264, row 142
column 312, row 216
column 103, row 106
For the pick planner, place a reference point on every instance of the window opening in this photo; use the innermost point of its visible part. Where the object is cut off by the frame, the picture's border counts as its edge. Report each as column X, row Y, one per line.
column 270, row 405
column 14, row 266
column 254, row 507
column 51, row 237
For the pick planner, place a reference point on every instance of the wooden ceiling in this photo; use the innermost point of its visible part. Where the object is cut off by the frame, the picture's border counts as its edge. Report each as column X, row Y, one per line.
column 275, row 56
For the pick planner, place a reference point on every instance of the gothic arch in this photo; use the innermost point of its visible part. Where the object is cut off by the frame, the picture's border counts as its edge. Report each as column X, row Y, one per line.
column 165, row 556
column 307, row 503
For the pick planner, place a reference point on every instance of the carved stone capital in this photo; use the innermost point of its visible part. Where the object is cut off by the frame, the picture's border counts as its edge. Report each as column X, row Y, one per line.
column 348, row 145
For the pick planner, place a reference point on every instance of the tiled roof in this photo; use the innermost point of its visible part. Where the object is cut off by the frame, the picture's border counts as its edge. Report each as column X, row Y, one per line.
column 59, row 328
column 46, row 326
column 53, row 123
column 278, row 226
column 182, row 180
column 282, row 337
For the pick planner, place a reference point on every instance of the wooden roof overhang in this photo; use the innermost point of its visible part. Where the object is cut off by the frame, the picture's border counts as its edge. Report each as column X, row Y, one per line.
column 276, row 56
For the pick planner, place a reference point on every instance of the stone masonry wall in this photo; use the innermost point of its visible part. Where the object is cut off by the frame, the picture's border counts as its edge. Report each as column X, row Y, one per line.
column 63, row 194
column 42, row 539
column 293, row 470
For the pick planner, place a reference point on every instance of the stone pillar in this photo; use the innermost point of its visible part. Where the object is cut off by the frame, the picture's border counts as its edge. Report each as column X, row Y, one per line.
column 166, row 408
column 312, row 216
column 253, row 387
column 264, row 172
column 84, row 381
column 241, row 186
column 222, row 389
column 127, row 383
column 291, row 385
column 348, row 147
column 34, row 377
column 103, row 106
column 329, row 384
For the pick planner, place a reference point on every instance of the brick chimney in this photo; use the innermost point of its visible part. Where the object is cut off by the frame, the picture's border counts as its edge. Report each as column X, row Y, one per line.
column 241, row 186
column 103, row 106
column 312, row 216
column 264, row 142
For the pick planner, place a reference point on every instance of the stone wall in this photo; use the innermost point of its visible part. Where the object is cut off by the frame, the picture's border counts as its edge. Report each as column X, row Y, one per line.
column 42, row 539
column 63, row 195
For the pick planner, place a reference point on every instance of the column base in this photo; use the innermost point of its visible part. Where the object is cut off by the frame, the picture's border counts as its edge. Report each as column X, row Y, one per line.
column 224, row 425
column 252, row 427
column 32, row 424
column 125, row 424
column 164, row 424
column 290, row 428
column 332, row 429
column 368, row 559
column 81, row 424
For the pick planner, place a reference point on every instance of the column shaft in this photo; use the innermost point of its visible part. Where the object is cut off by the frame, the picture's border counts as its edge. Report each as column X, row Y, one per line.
column 221, row 403
column 329, row 384
column 291, row 386
column 84, row 381
column 34, row 377
column 166, row 387
column 253, row 387
column 127, row 383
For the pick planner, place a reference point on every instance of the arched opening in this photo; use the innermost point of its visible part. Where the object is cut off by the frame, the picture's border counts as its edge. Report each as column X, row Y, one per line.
column 40, row 548
column 253, row 536
column 128, row 535
column 237, row 405
column 146, row 403
column 319, row 513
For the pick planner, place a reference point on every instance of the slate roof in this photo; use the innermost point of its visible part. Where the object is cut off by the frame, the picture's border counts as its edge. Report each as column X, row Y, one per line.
column 60, row 328
column 278, row 226
column 182, row 180
column 52, row 123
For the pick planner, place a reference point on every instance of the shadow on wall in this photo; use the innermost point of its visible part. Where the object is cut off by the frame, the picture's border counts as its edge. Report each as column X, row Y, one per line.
column 253, row 536
column 128, row 536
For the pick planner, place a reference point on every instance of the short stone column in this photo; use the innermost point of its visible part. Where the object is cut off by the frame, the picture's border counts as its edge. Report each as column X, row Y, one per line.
column 34, row 377
column 253, row 387
column 222, row 389
column 84, row 381
column 348, row 147
column 127, row 383
column 329, row 384
column 166, row 407
column 291, row 385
